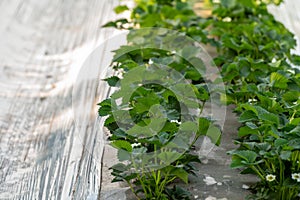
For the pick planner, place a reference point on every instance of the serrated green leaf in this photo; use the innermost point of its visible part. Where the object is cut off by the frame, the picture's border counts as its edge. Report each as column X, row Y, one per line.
column 246, row 155
column 144, row 103
column 109, row 120
column 180, row 173
column 104, row 110
column 112, row 81
column 106, row 102
column 265, row 115
column 122, row 144
column 245, row 131
column 214, row 134
column 248, row 115
column 280, row 142
column 278, row 80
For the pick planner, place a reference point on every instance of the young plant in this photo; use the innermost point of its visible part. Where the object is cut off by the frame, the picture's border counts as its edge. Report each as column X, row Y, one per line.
column 153, row 132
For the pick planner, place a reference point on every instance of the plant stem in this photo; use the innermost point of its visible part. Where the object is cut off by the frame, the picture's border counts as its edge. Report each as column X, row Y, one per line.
column 257, row 172
column 140, row 177
column 132, row 190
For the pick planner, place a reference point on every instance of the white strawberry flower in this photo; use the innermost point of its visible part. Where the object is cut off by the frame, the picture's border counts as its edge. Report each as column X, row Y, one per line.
column 270, row 177
column 296, row 176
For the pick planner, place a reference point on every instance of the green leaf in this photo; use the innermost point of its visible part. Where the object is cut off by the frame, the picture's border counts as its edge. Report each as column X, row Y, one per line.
column 278, row 80
column 291, row 96
column 295, row 143
column 263, row 146
column 285, row 155
column 121, row 8
column 109, row 120
column 121, row 52
column 123, row 155
column 236, row 162
column 248, row 106
column 119, row 167
column 248, row 115
column 169, row 157
column 177, row 193
column 106, row 102
column 189, row 52
column 248, row 3
column 150, row 20
column 214, row 134
column 246, row 155
column 204, row 124
column 265, row 115
column 110, row 24
column 295, row 121
column 104, row 110
column 246, row 130
column 188, row 127
column 144, row 103
column 122, row 144
column 192, row 74
column 229, row 3
column 251, row 125
column 180, row 173
column 295, row 59
column 112, row 81
column 202, row 94
column 280, row 142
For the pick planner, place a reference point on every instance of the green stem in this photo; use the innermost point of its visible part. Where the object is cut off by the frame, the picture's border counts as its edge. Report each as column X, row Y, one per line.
column 140, row 178
column 133, row 191
column 281, row 167
column 257, row 172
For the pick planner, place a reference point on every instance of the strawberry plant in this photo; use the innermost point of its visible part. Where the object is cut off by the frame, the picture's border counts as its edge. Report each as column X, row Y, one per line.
column 269, row 140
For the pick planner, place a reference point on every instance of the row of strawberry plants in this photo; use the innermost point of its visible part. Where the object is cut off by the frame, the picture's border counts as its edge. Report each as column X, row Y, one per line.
column 155, row 116
column 255, row 61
